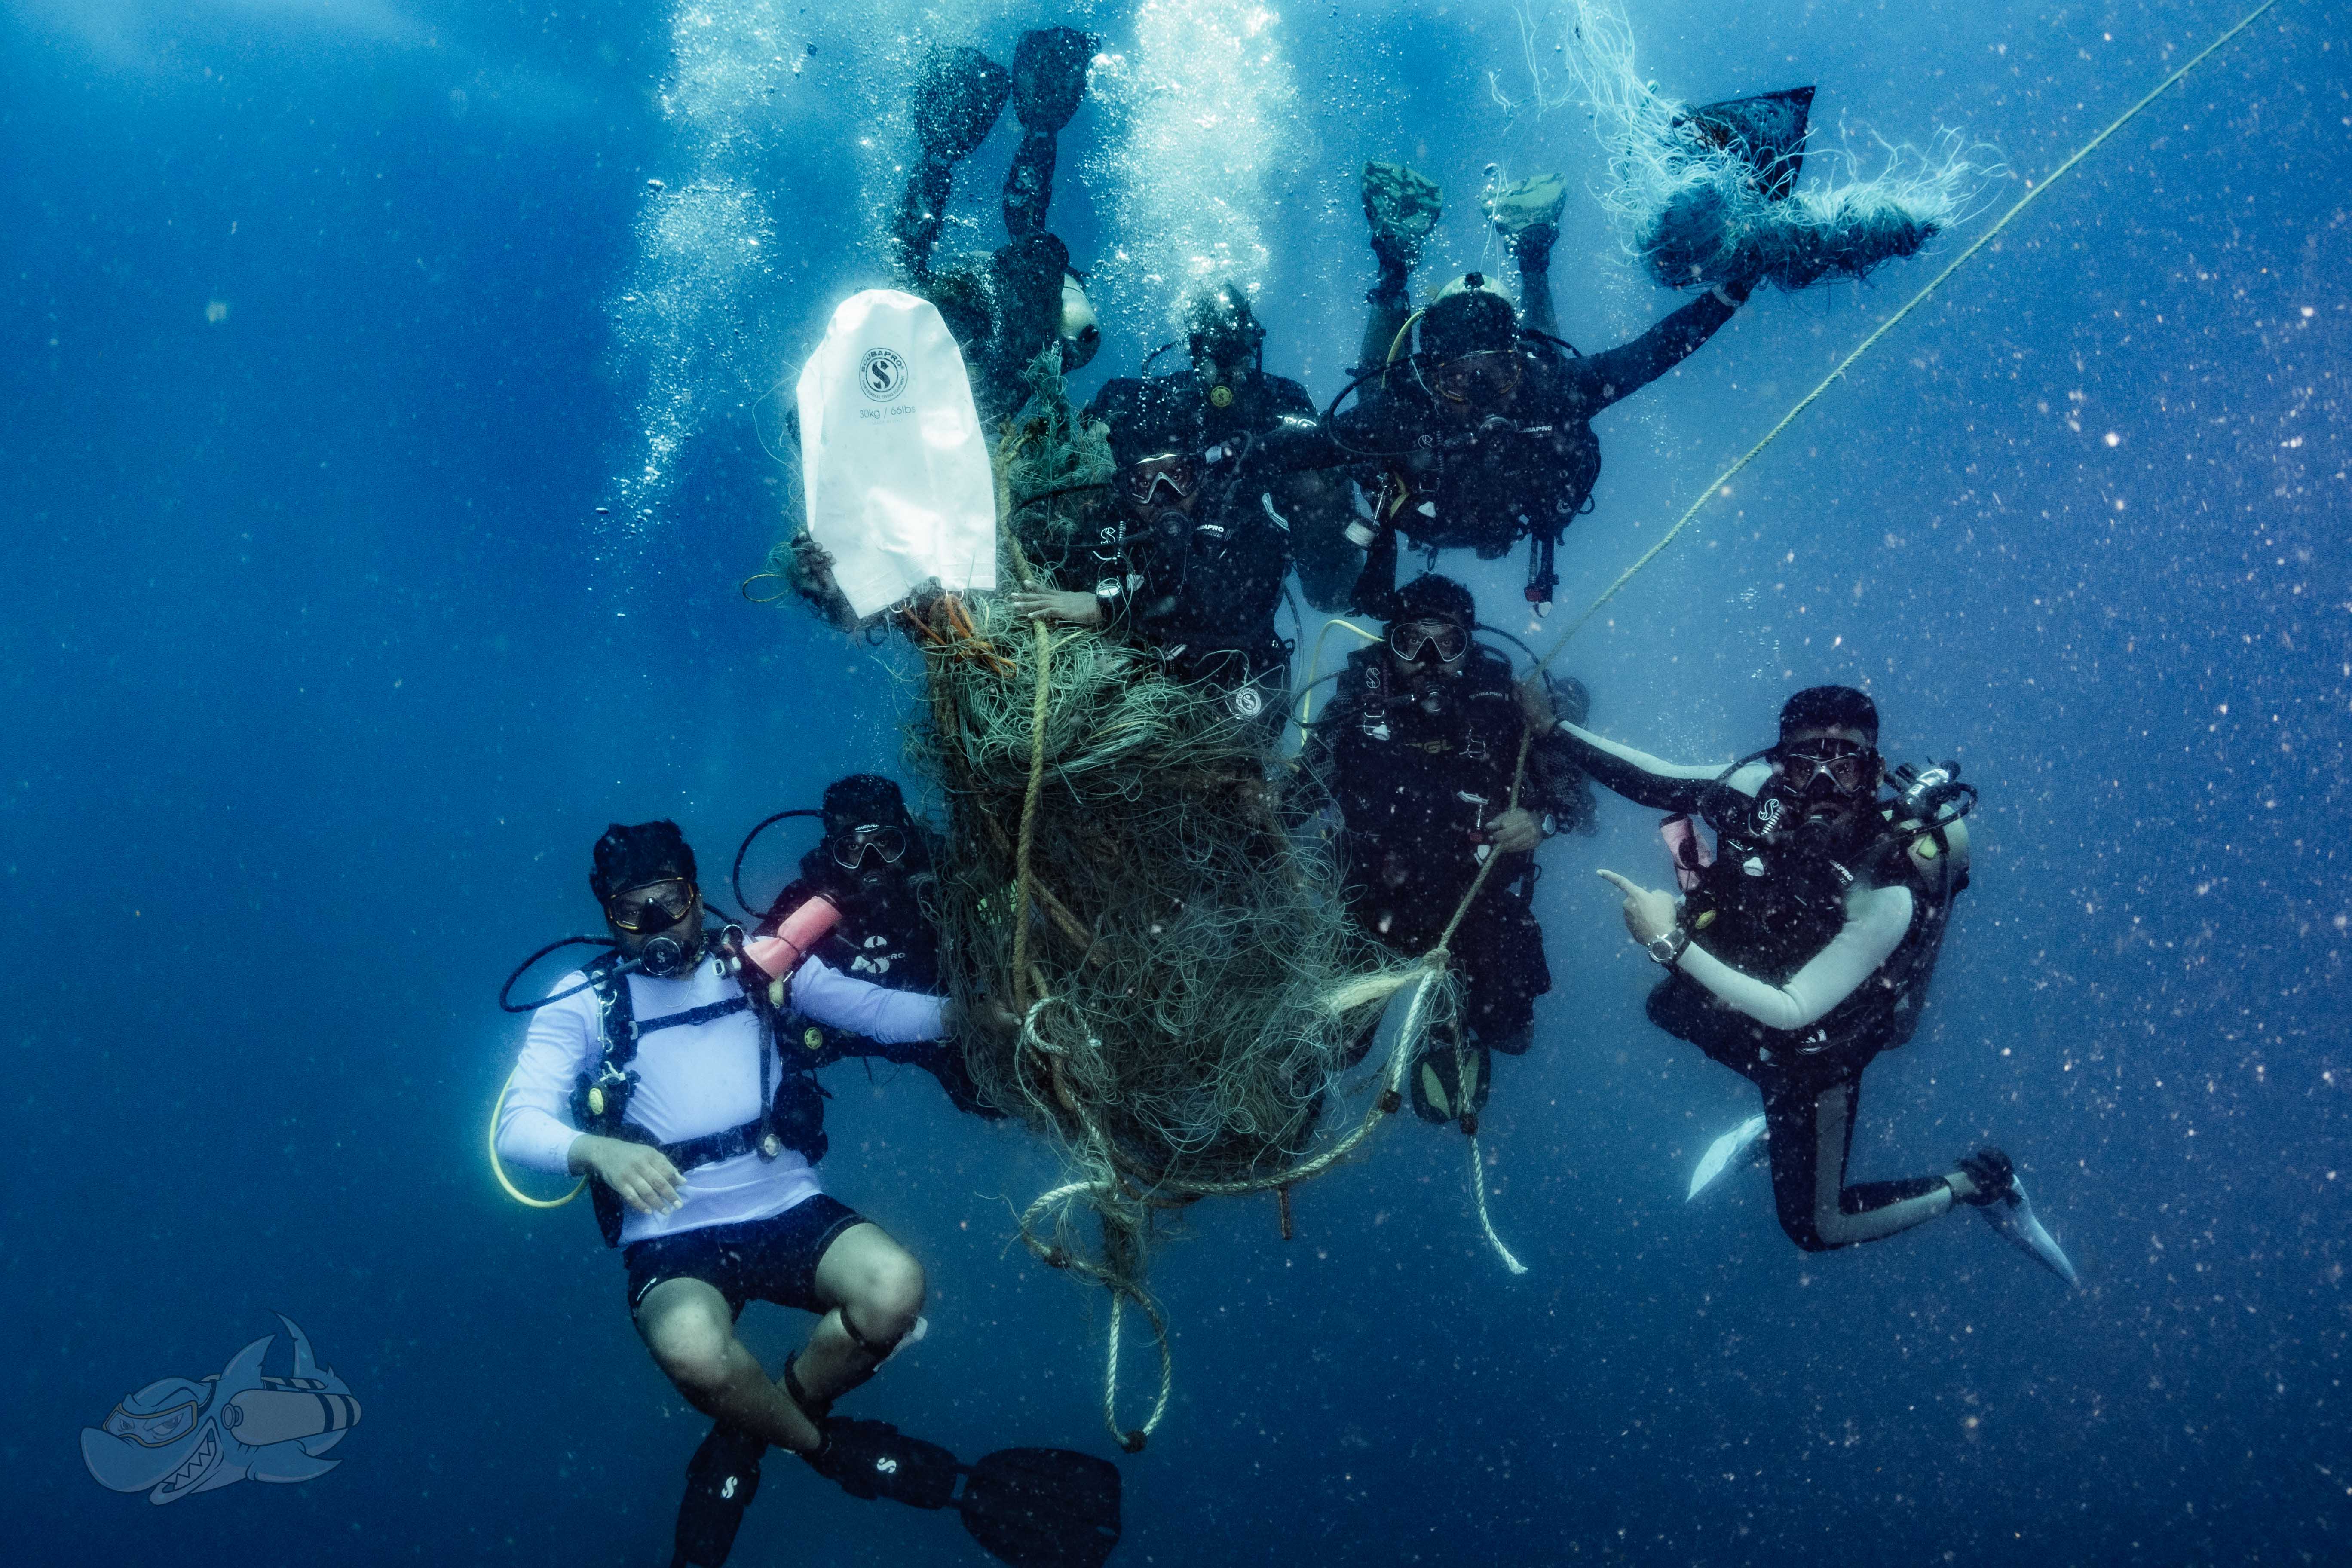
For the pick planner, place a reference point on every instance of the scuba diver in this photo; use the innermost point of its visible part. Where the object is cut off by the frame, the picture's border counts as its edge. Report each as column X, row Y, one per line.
column 1481, row 435
column 1025, row 298
column 654, row 1073
column 1226, row 401
column 872, row 864
column 1418, row 749
column 1180, row 566
column 1022, row 299
column 1804, row 947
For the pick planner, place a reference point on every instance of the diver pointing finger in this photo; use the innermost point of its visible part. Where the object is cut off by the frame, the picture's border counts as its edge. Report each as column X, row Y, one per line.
column 1803, row 945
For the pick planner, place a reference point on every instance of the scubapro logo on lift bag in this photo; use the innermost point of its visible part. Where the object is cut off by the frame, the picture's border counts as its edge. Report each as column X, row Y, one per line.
column 882, row 374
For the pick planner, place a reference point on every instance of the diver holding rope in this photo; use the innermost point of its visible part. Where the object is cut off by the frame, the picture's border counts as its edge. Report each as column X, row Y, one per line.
column 1417, row 750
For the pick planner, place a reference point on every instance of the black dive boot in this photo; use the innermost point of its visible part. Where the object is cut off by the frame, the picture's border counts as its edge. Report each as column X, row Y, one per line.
column 1451, row 1084
column 1989, row 1171
column 722, row 1480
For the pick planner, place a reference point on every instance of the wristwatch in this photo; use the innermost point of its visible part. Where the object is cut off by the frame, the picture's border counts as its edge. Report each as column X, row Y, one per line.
column 1668, row 950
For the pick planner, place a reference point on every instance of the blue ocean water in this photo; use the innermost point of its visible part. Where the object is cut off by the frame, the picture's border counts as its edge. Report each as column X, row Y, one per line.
column 323, row 671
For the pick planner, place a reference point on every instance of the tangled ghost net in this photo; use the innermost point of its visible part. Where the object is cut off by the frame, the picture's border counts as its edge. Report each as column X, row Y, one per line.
column 1119, row 868
column 1707, row 195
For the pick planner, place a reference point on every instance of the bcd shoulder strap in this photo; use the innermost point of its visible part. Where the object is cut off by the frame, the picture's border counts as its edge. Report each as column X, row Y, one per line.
column 791, row 1115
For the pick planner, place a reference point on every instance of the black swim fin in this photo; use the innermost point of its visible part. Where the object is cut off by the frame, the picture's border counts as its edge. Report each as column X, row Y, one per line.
column 874, row 1460
column 1043, row 1508
column 722, row 1480
column 1033, row 1508
column 1765, row 132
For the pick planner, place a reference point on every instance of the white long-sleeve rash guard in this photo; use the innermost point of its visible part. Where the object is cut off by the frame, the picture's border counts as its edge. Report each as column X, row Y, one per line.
column 693, row 1080
column 1876, row 919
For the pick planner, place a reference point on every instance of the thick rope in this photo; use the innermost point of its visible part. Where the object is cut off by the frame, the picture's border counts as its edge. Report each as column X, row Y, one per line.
column 1133, row 1440
column 1889, row 324
column 1478, row 1187
column 1025, row 910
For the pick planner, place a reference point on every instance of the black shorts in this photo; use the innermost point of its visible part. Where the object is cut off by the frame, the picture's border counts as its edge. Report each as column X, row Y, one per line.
column 773, row 1259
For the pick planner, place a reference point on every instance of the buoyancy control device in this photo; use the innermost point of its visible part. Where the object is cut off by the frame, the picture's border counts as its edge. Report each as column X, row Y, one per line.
column 791, row 1101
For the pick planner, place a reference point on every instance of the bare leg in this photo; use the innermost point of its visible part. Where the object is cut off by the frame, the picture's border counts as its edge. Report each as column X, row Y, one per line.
column 876, row 1285
column 685, row 1324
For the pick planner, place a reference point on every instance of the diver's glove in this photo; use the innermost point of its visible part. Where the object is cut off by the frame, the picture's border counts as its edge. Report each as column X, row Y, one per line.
column 874, row 1460
column 1990, row 1171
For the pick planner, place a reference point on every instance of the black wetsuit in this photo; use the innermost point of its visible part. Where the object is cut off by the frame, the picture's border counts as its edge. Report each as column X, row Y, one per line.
column 1310, row 505
column 1415, row 790
column 1768, row 907
column 885, row 939
column 1005, row 310
column 1451, row 479
column 1198, row 589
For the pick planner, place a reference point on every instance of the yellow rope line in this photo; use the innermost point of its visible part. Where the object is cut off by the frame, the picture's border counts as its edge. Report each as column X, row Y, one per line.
column 1888, row 325
column 500, row 1171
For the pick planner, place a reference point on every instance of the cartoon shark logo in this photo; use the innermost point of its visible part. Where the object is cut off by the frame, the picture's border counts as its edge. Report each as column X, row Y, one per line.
column 175, row 1439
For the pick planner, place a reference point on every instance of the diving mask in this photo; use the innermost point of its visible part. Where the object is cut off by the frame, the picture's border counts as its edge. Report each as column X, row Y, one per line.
column 1480, row 380
column 1167, row 481
column 884, row 839
column 657, row 906
column 1412, row 641
column 1849, row 766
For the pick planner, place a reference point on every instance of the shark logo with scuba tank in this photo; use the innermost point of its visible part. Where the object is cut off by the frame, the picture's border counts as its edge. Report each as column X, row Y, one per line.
column 178, row 1437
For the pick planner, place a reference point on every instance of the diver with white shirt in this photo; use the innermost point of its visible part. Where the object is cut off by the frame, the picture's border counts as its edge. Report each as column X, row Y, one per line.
column 654, row 1072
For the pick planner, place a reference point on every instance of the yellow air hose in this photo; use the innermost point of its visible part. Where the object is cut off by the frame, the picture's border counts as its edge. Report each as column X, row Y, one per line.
column 500, row 1171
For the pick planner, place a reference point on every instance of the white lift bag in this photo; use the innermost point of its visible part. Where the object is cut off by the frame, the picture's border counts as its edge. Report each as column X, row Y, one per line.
column 899, row 489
